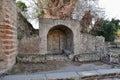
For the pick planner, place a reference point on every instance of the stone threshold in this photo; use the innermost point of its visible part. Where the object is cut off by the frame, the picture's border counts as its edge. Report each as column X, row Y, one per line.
column 85, row 75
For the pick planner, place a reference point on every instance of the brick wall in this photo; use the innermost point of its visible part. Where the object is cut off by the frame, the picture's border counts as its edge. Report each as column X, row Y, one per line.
column 8, row 33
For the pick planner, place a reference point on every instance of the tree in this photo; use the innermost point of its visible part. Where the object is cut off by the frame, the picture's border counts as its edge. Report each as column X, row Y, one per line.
column 87, row 11
column 106, row 28
column 21, row 5
column 60, row 9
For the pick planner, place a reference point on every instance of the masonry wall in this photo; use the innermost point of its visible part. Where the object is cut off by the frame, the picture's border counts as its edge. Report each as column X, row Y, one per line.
column 24, row 27
column 8, row 33
column 29, row 45
column 28, row 37
column 47, row 24
column 82, row 43
column 91, row 44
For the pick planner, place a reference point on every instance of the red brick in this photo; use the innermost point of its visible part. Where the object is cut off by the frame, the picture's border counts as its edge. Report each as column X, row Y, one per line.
column 7, row 37
column 8, row 42
column 7, row 16
column 6, row 31
column 9, row 52
column 9, row 47
column 6, row 27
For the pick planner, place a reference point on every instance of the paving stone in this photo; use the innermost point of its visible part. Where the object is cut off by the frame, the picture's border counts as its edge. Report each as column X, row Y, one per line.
column 26, row 77
column 62, row 75
column 111, row 79
column 109, row 71
column 88, row 73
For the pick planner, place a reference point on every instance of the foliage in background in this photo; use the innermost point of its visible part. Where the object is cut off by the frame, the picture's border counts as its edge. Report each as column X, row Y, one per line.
column 106, row 28
column 21, row 5
column 118, row 32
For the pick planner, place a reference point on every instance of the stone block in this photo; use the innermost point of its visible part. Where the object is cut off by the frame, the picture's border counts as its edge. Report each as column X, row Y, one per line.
column 108, row 71
column 35, row 58
column 87, row 57
column 62, row 76
column 26, row 77
column 88, row 73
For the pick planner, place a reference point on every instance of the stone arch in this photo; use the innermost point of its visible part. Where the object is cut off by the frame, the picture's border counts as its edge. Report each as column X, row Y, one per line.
column 59, row 40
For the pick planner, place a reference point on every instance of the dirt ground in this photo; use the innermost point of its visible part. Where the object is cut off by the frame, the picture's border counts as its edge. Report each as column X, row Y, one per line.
column 51, row 66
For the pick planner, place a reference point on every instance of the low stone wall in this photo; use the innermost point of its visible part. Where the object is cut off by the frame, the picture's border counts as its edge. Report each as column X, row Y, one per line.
column 32, row 58
column 91, row 48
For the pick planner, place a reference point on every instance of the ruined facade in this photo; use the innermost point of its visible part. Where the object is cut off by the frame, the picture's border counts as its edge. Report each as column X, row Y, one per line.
column 57, row 37
column 8, row 33
column 64, row 37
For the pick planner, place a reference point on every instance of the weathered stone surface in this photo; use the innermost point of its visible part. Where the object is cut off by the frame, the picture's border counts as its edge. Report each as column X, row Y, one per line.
column 85, row 75
column 29, row 45
column 24, row 27
column 8, row 33
column 57, row 57
column 88, row 73
column 109, row 71
column 68, row 27
column 33, row 58
column 87, row 57
column 26, row 77
column 62, row 75
column 59, row 36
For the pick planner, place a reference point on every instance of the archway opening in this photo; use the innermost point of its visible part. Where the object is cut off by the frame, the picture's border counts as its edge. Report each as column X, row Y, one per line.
column 60, row 40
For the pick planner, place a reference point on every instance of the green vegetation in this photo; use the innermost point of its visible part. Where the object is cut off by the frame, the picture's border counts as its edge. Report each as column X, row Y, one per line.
column 21, row 5
column 66, row 1
column 106, row 28
column 118, row 32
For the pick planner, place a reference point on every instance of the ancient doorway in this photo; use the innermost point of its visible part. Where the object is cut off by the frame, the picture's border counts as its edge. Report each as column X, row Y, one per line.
column 59, row 38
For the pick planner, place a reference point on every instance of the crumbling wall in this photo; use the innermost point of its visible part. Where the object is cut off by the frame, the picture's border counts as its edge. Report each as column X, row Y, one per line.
column 24, row 27
column 91, row 44
column 91, row 48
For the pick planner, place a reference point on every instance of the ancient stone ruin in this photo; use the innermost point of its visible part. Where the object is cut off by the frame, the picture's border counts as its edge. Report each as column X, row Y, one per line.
column 57, row 37
column 63, row 37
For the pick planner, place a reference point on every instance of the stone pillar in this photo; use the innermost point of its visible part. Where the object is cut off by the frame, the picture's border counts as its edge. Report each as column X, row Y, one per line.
column 8, row 33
